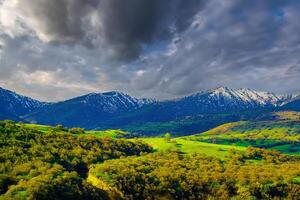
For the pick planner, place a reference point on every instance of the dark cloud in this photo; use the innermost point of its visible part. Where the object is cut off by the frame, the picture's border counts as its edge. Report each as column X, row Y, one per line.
column 128, row 24
column 121, row 26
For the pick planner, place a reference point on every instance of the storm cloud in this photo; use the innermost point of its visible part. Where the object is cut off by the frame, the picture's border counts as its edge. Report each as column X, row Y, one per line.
column 122, row 27
column 56, row 49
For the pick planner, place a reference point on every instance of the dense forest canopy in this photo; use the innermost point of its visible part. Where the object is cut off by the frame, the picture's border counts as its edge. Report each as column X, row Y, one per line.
column 54, row 165
column 43, row 162
column 257, row 174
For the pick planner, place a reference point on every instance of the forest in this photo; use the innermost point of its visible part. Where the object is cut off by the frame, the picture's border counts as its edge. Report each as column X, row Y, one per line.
column 256, row 174
column 54, row 165
column 44, row 162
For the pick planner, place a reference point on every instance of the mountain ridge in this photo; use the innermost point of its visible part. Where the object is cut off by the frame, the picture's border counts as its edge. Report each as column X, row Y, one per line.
column 116, row 109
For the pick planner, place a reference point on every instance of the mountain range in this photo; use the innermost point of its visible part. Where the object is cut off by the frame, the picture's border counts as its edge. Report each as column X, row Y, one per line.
column 192, row 113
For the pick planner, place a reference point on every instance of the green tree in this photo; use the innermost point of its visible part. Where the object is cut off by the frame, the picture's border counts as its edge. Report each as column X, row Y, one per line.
column 168, row 137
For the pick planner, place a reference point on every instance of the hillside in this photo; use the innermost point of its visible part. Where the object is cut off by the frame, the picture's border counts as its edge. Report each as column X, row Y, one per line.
column 87, row 111
column 54, row 164
column 191, row 147
column 282, row 134
column 293, row 105
column 76, row 131
column 44, row 162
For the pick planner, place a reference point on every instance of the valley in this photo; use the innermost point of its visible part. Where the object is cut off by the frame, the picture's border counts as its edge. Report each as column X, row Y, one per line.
column 41, row 161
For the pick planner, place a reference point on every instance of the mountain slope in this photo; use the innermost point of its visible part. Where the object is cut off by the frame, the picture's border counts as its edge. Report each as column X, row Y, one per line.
column 118, row 110
column 219, row 100
column 200, row 111
column 88, row 110
column 293, row 105
column 13, row 105
column 224, row 99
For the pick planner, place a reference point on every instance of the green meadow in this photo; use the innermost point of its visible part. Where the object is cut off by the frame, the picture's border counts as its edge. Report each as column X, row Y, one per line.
column 42, row 128
column 282, row 135
column 190, row 147
column 96, row 133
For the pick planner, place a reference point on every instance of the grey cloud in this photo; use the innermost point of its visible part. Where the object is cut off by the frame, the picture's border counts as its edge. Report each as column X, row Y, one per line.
column 294, row 70
column 128, row 24
column 122, row 27
column 236, row 44
column 27, row 64
column 56, row 20
column 167, row 48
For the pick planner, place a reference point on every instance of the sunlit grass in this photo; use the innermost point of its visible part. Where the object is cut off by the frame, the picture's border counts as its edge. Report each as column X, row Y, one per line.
column 42, row 128
column 189, row 147
column 106, row 133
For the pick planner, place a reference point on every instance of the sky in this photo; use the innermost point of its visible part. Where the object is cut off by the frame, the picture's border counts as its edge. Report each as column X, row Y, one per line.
column 58, row 49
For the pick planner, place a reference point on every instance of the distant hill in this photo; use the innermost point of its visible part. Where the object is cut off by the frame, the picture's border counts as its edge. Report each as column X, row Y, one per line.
column 197, row 112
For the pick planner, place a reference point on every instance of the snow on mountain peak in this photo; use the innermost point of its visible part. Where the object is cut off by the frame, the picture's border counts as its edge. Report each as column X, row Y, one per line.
column 243, row 96
column 112, row 101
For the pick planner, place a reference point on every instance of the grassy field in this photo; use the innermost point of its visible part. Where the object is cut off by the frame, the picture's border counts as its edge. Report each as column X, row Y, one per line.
column 189, row 147
column 160, row 144
column 282, row 134
column 42, row 128
column 106, row 133
column 100, row 133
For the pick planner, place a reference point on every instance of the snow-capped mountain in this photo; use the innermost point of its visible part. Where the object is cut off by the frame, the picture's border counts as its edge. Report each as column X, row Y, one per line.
column 13, row 105
column 239, row 99
column 116, row 109
column 293, row 104
column 110, row 102
column 88, row 110
column 218, row 100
